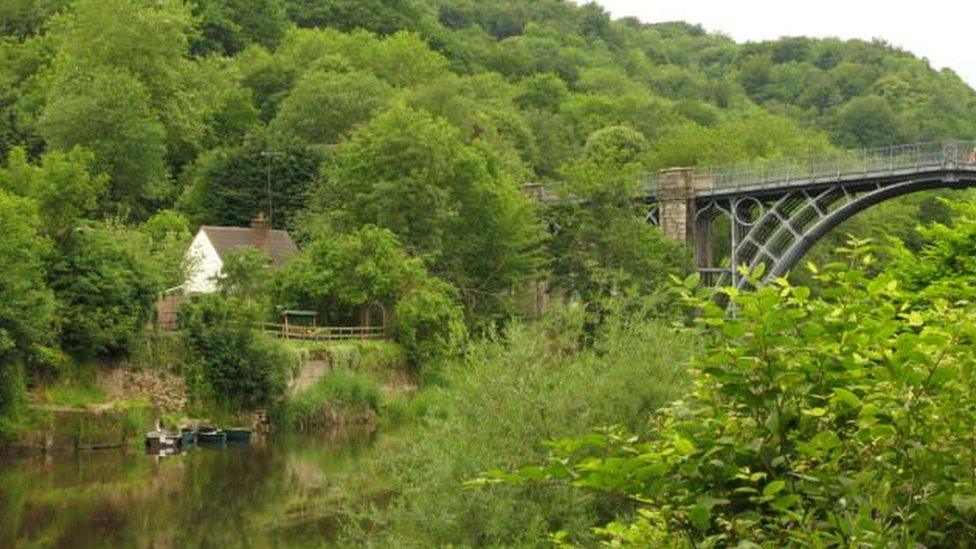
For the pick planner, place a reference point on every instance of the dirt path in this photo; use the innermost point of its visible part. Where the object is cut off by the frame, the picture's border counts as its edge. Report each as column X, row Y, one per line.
column 310, row 372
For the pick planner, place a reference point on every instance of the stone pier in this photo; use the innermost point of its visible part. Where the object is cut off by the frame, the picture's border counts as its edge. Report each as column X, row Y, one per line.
column 676, row 200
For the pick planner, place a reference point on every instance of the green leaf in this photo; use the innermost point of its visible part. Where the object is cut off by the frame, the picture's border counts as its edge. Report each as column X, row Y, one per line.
column 844, row 398
column 783, row 503
column 814, row 412
column 964, row 502
column 683, row 446
column 709, row 501
column 801, row 292
column 700, row 516
column 774, row 488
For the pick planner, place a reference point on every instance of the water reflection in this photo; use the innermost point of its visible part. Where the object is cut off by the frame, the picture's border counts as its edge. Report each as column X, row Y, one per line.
column 262, row 494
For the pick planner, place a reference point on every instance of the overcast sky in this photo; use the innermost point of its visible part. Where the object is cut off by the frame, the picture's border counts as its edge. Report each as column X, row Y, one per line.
column 942, row 31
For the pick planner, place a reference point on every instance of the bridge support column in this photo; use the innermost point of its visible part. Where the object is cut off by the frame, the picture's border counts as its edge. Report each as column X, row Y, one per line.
column 676, row 201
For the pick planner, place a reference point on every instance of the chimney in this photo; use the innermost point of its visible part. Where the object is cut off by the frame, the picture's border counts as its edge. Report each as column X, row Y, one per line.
column 258, row 222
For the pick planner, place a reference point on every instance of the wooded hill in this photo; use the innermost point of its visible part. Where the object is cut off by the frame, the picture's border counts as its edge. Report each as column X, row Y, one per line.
column 405, row 127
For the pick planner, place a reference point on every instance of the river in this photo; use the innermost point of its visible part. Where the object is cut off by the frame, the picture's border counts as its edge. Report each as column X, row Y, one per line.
column 282, row 492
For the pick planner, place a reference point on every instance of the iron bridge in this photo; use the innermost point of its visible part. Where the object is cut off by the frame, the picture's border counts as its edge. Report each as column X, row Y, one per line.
column 776, row 212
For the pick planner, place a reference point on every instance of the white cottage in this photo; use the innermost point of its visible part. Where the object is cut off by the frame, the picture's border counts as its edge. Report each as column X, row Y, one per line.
column 212, row 244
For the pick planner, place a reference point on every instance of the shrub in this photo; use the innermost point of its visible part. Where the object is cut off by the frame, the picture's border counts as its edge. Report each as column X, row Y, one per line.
column 429, row 324
column 236, row 365
column 105, row 283
column 25, row 301
column 841, row 420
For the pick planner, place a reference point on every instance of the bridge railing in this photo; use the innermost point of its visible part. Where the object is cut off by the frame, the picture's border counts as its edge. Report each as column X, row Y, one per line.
column 831, row 166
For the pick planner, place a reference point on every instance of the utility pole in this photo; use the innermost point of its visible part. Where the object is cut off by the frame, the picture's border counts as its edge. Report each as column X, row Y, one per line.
column 269, row 155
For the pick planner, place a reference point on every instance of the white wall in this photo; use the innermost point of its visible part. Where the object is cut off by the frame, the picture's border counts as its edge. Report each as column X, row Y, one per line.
column 205, row 266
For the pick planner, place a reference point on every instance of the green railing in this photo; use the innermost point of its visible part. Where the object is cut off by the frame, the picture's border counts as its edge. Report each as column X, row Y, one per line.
column 835, row 166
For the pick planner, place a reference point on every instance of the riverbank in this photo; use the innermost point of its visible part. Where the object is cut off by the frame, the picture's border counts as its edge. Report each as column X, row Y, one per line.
column 112, row 405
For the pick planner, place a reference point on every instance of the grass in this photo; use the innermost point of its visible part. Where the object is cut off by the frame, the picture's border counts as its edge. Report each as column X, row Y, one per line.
column 405, row 407
column 74, row 395
column 341, row 394
column 496, row 406
column 371, row 355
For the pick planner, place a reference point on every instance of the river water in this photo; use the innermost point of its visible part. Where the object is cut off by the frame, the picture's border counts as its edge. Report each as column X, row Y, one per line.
column 282, row 492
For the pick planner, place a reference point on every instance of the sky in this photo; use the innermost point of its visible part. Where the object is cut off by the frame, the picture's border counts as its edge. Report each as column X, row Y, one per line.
column 938, row 30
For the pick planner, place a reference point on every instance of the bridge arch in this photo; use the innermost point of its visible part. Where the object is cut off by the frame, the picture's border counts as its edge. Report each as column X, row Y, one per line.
column 799, row 249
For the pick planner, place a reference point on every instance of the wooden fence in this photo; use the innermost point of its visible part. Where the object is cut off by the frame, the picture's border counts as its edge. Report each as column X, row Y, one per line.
column 325, row 333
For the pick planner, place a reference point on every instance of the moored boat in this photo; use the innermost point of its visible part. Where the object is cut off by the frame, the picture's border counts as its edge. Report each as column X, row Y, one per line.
column 188, row 437
column 238, row 434
column 211, row 435
column 159, row 440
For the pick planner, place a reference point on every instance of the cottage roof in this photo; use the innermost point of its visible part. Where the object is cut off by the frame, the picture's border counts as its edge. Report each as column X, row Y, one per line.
column 277, row 244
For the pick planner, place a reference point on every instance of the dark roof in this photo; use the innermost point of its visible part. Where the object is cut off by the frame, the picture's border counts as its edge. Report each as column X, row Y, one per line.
column 277, row 244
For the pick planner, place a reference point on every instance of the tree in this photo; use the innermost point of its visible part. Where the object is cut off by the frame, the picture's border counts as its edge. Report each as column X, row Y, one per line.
column 168, row 234
column 751, row 136
column 63, row 187
column 401, row 60
column 865, row 122
column 121, row 84
column 379, row 16
column 324, row 106
column 26, row 304
column 233, row 364
column 109, row 113
column 228, row 26
column 23, row 18
column 410, row 173
column 542, row 91
column 945, row 260
column 22, row 92
column 245, row 275
column 105, row 282
column 229, row 186
column 602, row 248
column 428, row 323
column 145, row 40
column 343, row 276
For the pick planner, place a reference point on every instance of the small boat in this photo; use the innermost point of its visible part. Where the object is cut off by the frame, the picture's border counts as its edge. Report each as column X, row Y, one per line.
column 159, row 440
column 211, row 435
column 188, row 437
column 238, row 434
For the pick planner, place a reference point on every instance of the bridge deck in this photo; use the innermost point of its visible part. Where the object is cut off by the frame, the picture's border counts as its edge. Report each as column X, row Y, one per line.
column 870, row 166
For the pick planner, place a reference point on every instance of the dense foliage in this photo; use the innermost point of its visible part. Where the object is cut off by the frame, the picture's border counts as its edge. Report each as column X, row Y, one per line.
column 231, row 363
column 365, row 276
column 25, row 302
column 600, row 242
column 425, row 117
column 401, row 142
column 839, row 419
column 491, row 409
